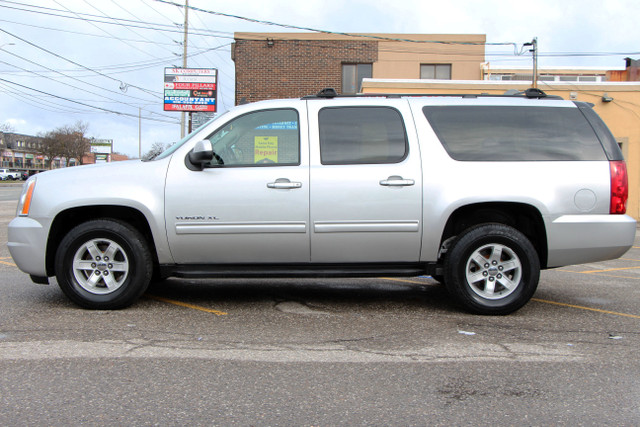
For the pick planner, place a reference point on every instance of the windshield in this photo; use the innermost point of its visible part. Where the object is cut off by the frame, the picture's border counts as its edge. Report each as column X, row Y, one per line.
column 169, row 151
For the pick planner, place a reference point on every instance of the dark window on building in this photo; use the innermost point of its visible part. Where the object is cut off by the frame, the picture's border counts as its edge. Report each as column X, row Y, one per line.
column 352, row 75
column 485, row 133
column 361, row 135
column 261, row 138
column 435, row 71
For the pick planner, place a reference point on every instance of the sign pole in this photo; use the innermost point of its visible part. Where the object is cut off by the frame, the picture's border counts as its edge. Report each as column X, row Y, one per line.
column 184, row 57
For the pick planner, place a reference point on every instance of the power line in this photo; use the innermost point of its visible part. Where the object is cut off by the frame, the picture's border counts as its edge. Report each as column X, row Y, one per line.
column 315, row 30
column 82, row 66
column 84, row 90
column 119, row 113
column 106, row 32
column 152, row 26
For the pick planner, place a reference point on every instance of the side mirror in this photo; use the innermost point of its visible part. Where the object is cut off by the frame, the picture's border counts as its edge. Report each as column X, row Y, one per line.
column 201, row 154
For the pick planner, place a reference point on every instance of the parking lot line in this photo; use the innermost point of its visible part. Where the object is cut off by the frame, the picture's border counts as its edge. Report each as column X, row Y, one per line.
column 598, row 310
column 184, row 304
column 394, row 279
column 608, row 269
column 562, row 304
column 7, row 263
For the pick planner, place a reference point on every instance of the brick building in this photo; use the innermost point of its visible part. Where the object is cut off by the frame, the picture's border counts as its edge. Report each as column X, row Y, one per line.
column 290, row 65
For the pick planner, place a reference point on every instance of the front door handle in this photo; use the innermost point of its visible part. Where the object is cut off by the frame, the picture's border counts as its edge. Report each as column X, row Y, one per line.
column 284, row 183
column 397, row 181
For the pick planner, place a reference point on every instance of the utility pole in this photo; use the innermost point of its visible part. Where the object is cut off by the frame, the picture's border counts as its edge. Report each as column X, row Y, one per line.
column 139, row 132
column 184, row 58
column 534, row 51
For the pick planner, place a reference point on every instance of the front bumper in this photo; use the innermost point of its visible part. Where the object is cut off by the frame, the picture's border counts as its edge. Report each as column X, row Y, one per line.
column 27, row 242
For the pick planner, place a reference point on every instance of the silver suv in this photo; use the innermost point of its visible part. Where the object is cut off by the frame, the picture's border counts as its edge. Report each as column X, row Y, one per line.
column 481, row 192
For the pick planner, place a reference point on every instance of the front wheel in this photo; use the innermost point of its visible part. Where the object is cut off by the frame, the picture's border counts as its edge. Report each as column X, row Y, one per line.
column 492, row 269
column 103, row 264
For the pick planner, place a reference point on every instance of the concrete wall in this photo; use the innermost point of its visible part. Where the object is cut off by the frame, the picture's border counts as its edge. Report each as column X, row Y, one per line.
column 622, row 114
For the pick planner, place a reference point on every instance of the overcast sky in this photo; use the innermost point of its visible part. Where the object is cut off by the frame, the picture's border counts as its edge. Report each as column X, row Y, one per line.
column 68, row 60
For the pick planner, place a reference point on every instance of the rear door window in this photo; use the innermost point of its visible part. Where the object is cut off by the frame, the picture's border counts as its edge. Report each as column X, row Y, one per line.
column 361, row 135
column 512, row 133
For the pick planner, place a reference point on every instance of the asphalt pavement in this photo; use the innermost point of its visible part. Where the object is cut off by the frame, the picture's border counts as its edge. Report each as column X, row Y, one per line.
column 321, row 352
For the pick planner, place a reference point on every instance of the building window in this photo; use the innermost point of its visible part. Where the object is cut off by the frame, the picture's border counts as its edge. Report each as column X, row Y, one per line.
column 435, row 71
column 352, row 75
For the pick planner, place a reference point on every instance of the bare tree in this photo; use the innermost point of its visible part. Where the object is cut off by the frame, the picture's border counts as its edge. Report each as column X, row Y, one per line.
column 76, row 142
column 67, row 141
column 7, row 127
column 156, row 149
column 52, row 146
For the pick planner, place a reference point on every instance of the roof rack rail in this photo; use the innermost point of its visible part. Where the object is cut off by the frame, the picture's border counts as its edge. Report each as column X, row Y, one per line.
column 534, row 92
column 327, row 92
column 531, row 93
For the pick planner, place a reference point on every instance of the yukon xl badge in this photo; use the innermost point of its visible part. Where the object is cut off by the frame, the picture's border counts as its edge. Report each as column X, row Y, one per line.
column 197, row 218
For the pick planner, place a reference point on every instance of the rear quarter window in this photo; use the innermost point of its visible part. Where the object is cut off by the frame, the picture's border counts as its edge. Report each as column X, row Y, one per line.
column 512, row 133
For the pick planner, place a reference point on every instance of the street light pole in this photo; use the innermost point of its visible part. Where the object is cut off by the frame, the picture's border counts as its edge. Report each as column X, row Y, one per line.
column 534, row 51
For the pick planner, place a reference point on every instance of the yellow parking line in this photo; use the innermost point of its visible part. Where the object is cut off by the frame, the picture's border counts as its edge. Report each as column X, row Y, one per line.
column 8, row 263
column 184, row 304
column 538, row 300
column 607, row 269
column 394, row 279
column 585, row 308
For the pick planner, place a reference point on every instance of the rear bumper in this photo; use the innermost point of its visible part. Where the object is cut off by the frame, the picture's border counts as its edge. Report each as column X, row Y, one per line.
column 27, row 242
column 578, row 239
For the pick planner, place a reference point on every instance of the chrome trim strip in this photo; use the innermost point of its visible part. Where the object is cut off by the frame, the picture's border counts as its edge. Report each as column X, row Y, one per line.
column 366, row 226
column 241, row 227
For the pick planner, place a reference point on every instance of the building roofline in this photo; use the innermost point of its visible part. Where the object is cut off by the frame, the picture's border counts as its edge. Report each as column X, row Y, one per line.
column 559, row 69
column 476, row 38
column 408, row 84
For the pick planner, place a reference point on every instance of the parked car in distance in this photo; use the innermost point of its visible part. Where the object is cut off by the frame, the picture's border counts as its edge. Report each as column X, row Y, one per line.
column 6, row 174
column 480, row 192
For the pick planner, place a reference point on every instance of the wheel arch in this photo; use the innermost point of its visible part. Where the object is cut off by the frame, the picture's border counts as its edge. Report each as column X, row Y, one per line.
column 66, row 220
column 523, row 217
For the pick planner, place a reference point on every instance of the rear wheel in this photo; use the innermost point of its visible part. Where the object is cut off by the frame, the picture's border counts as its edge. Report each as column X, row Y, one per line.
column 492, row 269
column 103, row 264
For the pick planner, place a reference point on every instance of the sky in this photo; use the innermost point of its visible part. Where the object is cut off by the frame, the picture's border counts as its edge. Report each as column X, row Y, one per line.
column 102, row 62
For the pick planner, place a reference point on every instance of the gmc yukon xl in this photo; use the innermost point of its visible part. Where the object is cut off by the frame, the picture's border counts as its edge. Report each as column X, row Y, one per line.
column 481, row 192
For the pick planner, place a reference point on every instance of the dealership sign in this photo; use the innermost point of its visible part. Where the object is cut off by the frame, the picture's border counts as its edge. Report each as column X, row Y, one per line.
column 190, row 89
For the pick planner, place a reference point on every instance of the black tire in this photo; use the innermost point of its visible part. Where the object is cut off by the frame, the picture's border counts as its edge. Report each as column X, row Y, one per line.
column 113, row 264
column 508, row 276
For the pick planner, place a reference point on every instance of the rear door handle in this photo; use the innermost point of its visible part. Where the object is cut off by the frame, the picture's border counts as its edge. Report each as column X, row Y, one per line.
column 284, row 183
column 397, row 181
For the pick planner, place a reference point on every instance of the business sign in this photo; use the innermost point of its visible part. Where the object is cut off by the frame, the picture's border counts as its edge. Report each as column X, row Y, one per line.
column 190, row 89
column 101, row 146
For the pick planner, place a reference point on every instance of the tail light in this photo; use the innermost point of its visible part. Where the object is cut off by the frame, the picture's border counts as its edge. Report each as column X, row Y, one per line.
column 619, row 187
